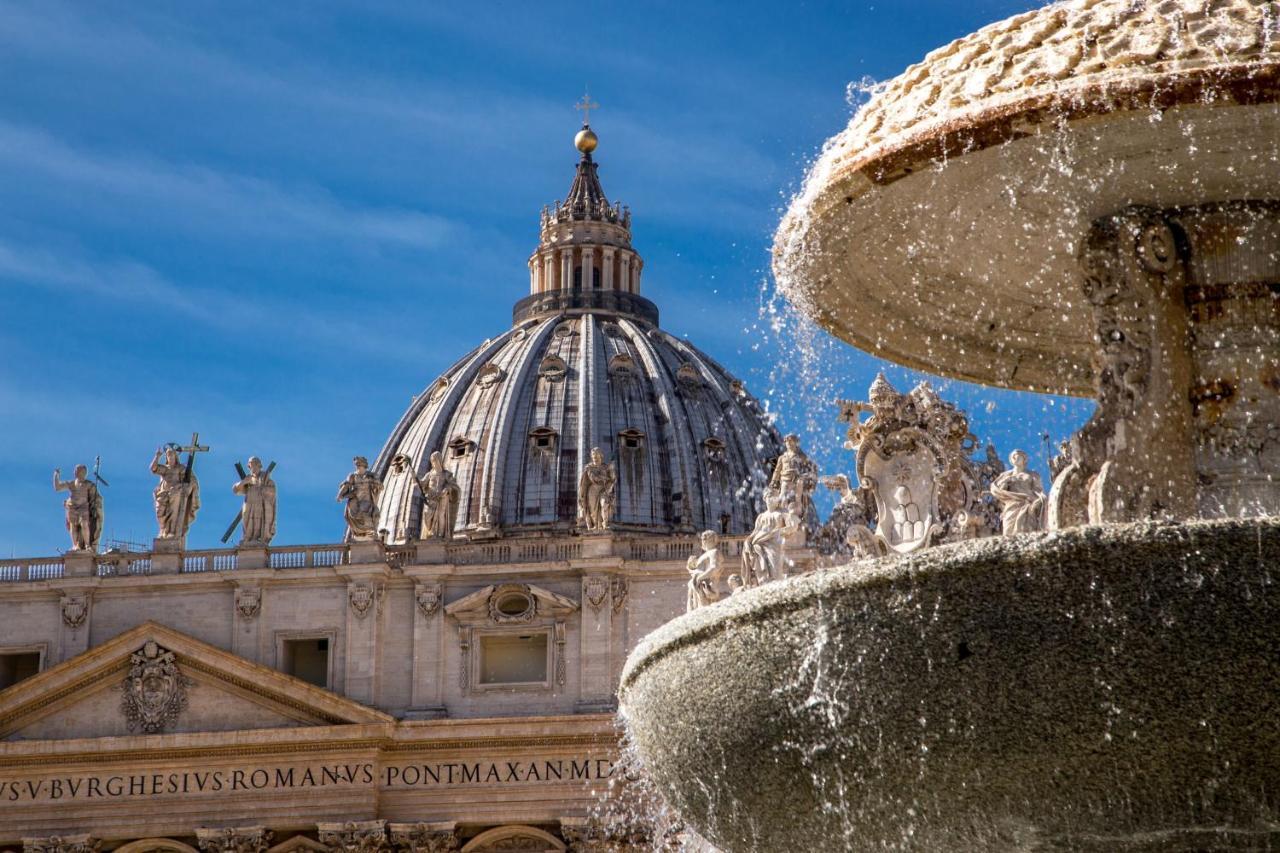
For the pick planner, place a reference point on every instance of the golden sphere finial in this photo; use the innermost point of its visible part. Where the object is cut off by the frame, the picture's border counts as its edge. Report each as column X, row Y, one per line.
column 586, row 140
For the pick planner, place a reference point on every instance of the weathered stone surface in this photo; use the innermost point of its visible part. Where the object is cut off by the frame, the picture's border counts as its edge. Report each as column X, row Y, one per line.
column 1096, row 684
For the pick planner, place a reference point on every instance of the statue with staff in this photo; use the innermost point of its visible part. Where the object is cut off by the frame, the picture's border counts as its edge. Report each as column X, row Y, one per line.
column 177, row 495
column 83, row 507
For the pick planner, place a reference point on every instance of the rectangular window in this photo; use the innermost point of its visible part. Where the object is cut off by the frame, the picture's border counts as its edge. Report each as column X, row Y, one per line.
column 15, row 666
column 513, row 659
column 308, row 660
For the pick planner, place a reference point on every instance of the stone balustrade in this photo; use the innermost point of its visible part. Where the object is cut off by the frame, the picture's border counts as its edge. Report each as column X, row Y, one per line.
column 112, row 564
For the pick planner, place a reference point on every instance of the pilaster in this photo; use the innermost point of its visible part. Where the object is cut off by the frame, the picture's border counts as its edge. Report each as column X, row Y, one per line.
column 427, row 691
column 366, row 594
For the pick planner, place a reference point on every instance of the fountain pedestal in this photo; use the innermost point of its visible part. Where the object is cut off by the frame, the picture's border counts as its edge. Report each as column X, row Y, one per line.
column 1186, row 309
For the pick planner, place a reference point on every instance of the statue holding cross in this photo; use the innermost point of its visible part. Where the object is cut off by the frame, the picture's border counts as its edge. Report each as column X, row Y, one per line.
column 177, row 495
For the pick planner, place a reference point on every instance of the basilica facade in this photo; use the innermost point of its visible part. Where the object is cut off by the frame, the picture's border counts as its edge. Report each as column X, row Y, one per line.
column 441, row 677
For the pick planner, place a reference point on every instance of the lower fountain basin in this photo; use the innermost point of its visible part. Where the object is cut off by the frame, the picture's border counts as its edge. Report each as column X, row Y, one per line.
column 1108, row 688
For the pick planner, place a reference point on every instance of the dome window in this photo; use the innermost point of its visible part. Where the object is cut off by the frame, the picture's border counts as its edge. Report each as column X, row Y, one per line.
column 553, row 368
column 631, row 439
column 689, row 377
column 714, row 448
column 460, row 447
column 613, row 330
column 438, row 390
column 565, row 329
column 543, row 443
column 622, row 366
column 490, row 375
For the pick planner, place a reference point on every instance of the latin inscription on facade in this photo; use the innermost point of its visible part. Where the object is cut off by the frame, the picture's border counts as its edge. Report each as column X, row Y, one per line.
column 392, row 776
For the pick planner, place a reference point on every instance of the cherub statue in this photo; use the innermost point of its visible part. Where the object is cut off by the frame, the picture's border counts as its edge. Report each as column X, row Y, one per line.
column 361, row 490
column 1021, row 496
column 704, row 572
column 83, row 506
column 763, row 558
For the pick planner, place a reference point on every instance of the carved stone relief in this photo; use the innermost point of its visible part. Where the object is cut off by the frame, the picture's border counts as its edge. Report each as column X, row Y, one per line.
column 596, row 589
column 1133, row 280
column 248, row 601
column 618, row 588
column 913, row 455
column 155, row 690
column 512, row 603
column 363, row 597
column 75, row 609
column 423, row 838
column 428, row 596
column 62, row 844
column 238, row 839
column 368, row 836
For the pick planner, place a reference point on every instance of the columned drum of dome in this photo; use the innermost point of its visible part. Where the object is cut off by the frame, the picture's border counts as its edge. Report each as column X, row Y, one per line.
column 584, row 365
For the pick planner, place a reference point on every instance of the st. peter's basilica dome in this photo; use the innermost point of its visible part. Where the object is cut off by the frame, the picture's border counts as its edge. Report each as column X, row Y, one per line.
column 584, row 365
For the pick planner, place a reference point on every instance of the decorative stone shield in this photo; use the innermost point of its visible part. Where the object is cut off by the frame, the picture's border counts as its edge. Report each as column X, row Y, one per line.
column 596, row 589
column 75, row 609
column 428, row 597
column 906, row 492
column 361, row 596
column 155, row 691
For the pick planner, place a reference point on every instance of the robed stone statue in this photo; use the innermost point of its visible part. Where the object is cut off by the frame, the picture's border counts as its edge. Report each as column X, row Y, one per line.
column 440, row 498
column 362, row 491
column 597, row 492
column 1021, row 496
column 763, row 552
column 177, row 495
column 258, row 518
column 84, row 511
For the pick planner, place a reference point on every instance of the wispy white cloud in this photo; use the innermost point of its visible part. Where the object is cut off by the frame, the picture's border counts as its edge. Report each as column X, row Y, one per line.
column 131, row 282
column 205, row 198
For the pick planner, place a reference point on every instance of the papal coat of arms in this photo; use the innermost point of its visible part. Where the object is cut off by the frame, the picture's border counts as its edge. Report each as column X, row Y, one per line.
column 913, row 455
column 155, row 691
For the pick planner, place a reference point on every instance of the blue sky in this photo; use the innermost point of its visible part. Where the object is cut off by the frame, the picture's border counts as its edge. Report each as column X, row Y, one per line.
column 275, row 222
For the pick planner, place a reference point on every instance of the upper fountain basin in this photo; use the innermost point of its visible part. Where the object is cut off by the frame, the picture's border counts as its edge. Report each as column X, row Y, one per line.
column 941, row 228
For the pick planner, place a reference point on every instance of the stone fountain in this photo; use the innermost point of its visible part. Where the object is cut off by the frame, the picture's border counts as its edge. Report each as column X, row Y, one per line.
column 1083, row 199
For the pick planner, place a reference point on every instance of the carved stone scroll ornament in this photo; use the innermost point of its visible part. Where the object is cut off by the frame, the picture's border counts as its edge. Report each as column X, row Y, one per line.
column 248, row 601
column 155, row 691
column 237, row 839
column 423, row 838
column 1134, row 282
column 428, row 596
column 618, row 588
column 62, row 844
column 367, row 836
column 75, row 610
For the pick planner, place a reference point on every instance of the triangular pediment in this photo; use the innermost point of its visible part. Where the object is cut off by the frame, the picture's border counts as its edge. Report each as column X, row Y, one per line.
column 153, row 679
